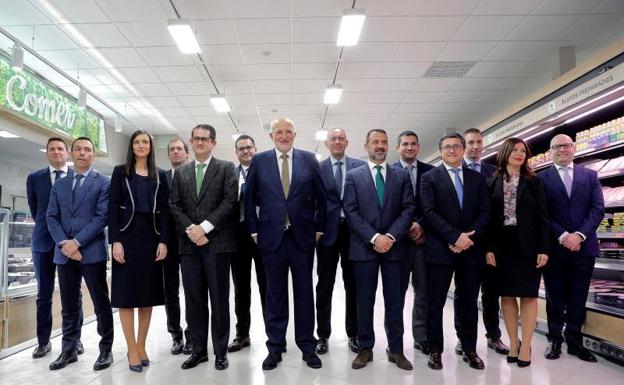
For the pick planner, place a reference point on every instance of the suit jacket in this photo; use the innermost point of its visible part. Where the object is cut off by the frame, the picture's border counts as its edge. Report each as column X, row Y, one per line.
column 122, row 195
column 366, row 217
column 83, row 220
column 215, row 202
column 334, row 201
column 531, row 216
column 305, row 205
column 445, row 220
column 38, row 188
column 421, row 168
column 582, row 211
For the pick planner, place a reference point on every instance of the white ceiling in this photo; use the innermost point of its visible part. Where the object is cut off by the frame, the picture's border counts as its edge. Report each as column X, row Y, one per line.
column 143, row 74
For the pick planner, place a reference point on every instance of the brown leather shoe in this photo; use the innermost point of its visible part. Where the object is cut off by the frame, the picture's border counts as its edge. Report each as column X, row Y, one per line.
column 364, row 356
column 399, row 359
column 474, row 360
column 435, row 361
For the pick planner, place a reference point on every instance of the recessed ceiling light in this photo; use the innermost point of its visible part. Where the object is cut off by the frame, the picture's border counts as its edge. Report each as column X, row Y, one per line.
column 350, row 27
column 219, row 103
column 321, row 135
column 266, row 53
column 235, row 136
column 319, row 156
column 182, row 33
column 7, row 135
column 332, row 94
column 43, row 150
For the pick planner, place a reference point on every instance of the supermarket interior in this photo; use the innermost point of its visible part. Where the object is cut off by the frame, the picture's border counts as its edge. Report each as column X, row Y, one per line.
column 103, row 69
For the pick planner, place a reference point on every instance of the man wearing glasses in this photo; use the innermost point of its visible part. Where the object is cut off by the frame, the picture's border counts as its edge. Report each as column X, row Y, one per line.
column 203, row 196
column 247, row 251
column 456, row 208
column 576, row 208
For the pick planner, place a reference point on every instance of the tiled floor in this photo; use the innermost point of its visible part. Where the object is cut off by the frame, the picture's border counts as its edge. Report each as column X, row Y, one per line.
column 245, row 366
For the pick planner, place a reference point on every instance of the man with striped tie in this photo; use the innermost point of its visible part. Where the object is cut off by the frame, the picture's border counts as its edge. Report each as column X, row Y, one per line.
column 247, row 251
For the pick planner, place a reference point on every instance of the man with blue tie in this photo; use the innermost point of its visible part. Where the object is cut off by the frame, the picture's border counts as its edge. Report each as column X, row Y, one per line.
column 285, row 185
column 415, row 262
column 77, row 215
column 379, row 206
column 247, row 251
column 456, row 208
column 575, row 208
column 489, row 298
column 334, row 244
column 38, row 187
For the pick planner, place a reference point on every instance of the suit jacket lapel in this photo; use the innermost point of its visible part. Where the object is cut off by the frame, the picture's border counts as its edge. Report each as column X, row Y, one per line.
column 86, row 186
column 297, row 167
column 370, row 183
column 576, row 180
column 390, row 175
column 273, row 170
column 327, row 170
column 555, row 176
column 522, row 184
column 209, row 174
column 450, row 184
column 188, row 173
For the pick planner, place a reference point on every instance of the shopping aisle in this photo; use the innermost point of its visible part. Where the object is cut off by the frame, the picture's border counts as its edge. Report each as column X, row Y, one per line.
column 245, row 366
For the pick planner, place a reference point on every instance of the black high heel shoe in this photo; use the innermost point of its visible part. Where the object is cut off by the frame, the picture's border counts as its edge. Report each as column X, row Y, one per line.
column 134, row 368
column 514, row 359
column 522, row 363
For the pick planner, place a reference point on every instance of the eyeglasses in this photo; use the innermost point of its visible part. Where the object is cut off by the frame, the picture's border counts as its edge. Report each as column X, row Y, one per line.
column 556, row 147
column 454, row 147
column 201, row 139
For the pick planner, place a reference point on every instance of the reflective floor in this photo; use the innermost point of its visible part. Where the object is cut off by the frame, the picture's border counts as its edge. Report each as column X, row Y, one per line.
column 245, row 366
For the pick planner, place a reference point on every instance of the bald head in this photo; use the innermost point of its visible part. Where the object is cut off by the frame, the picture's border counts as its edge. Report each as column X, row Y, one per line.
column 562, row 150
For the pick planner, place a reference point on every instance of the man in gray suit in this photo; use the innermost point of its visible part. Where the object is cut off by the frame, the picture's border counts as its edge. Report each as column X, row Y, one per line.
column 203, row 195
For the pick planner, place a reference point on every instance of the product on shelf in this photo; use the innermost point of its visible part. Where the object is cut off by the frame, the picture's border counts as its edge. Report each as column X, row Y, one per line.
column 613, row 196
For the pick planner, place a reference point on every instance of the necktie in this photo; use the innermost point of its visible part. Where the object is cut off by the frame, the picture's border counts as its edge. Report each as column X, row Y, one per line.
column 459, row 188
column 380, row 185
column 199, row 177
column 285, row 183
column 241, row 195
column 338, row 176
column 57, row 175
column 567, row 180
column 473, row 166
column 77, row 187
column 411, row 170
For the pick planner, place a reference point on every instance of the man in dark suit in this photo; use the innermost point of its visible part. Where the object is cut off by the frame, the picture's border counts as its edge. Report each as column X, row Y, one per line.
column 247, row 251
column 379, row 206
column 489, row 298
column 77, row 216
column 285, row 184
column 415, row 262
column 178, row 153
column 456, row 208
column 334, row 244
column 576, row 208
column 38, row 187
column 202, row 199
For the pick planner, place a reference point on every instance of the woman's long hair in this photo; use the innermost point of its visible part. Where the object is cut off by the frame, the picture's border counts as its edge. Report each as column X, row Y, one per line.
column 503, row 157
column 131, row 159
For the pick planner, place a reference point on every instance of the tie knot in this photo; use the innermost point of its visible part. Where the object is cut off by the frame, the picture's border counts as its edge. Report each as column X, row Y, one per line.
column 57, row 171
column 338, row 163
column 456, row 170
column 284, row 156
column 378, row 168
column 473, row 165
column 78, row 177
column 409, row 167
column 201, row 166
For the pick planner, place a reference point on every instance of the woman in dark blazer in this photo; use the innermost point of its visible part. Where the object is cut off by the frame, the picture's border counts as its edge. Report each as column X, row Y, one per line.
column 138, row 218
column 517, row 243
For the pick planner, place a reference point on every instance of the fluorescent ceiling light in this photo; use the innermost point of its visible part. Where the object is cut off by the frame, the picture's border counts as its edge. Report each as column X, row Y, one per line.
column 219, row 103
column 332, row 94
column 235, row 136
column 43, row 150
column 17, row 58
column 182, row 33
column 7, row 135
column 350, row 27
column 82, row 98
column 319, row 156
column 118, row 123
column 321, row 135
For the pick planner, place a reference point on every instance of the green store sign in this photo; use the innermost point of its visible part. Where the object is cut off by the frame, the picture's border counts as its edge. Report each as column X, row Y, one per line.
column 29, row 96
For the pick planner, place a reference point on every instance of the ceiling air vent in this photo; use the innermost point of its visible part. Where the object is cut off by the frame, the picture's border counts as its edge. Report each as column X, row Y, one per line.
column 449, row 69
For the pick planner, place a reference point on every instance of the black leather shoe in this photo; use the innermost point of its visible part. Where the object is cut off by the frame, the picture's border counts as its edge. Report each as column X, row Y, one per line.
column 271, row 360
column 322, row 346
column 104, row 360
column 194, row 360
column 474, row 360
column 364, row 356
column 188, row 348
column 399, row 359
column 353, row 344
column 79, row 348
column 498, row 345
column 582, row 353
column 41, row 351
column 238, row 343
column 176, row 347
column 423, row 347
column 63, row 360
column 313, row 361
column 221, row 363
column 459, row 348
column 435, row 361
column 553, row 351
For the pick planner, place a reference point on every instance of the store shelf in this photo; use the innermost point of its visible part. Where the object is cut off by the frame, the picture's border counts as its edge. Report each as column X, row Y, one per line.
column 610, row 235
column 611, row 174
column 615, row 204
column 609, row 310
column 610, row 264
column 587, row 151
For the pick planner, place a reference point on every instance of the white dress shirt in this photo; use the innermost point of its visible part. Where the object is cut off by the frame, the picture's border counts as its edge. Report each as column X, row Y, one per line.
column 51, row 170
column 451, row 173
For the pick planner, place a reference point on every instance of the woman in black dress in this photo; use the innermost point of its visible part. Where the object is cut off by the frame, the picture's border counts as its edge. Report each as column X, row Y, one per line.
column 138, row 214
column 517, row 243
